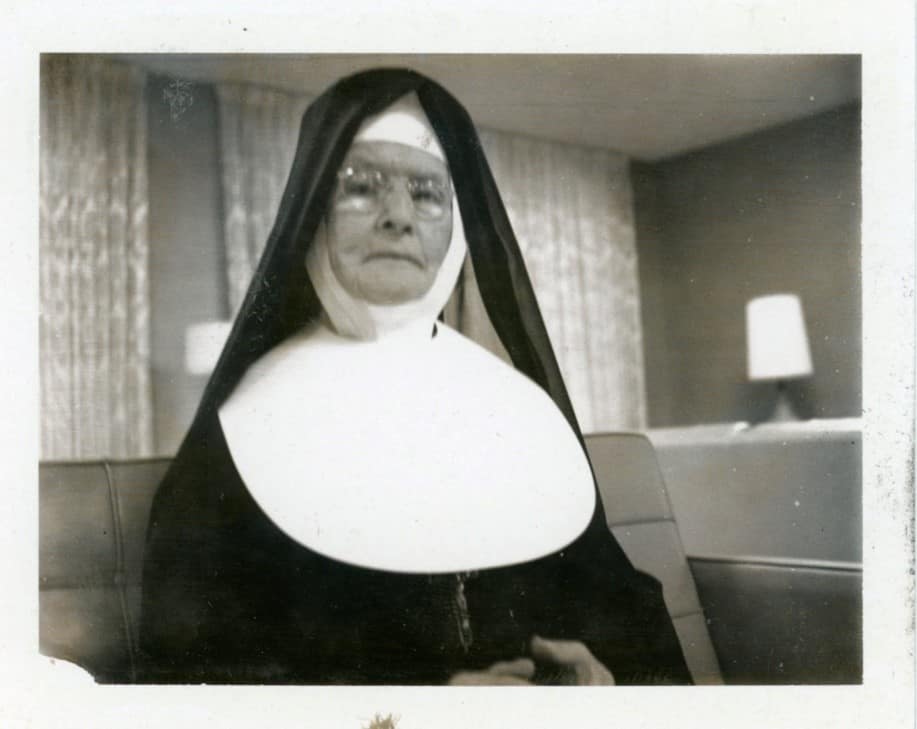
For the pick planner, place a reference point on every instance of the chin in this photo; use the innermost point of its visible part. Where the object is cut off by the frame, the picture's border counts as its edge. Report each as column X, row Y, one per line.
column 399, row 289
column 393, row 298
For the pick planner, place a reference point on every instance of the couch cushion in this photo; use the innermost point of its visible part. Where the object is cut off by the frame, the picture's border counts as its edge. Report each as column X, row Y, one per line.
column 783, row 624
column 134, row 486
column 654, row 548
column 92, row 528
column 639, row 514
column 76, row 526
column 780, row 492
column 629, row 479
column 699, row 654
column 85, row 625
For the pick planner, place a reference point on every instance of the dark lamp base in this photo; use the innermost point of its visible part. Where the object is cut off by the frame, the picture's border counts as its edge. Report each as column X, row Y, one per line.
column 783, row 412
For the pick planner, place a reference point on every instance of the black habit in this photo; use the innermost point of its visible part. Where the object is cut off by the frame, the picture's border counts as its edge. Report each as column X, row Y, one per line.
column 229, row 598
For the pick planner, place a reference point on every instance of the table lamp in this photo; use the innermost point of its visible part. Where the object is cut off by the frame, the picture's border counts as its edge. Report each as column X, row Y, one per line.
column 778, row 348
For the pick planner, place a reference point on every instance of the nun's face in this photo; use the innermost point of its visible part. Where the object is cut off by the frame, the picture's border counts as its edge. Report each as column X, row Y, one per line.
column 389, row 222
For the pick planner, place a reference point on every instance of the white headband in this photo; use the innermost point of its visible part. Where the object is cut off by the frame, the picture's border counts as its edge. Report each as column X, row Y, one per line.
column 405, row 122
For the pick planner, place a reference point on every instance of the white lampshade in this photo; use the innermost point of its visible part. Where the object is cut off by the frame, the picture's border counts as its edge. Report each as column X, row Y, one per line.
column 203, row 343
column 778, row 347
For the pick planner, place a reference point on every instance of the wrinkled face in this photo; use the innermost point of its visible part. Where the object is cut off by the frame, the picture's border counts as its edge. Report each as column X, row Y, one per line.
column 389, row 222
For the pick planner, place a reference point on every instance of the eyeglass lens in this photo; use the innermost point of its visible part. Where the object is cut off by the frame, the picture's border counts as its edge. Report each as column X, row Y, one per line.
column 364, row 189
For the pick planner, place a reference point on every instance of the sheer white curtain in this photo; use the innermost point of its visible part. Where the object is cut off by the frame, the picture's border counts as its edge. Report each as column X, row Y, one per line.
column 258, row 131
column 572, row 211
column 94, row 307
column 571, row 208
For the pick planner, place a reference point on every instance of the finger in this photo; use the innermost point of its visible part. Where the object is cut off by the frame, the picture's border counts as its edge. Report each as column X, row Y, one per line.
column 486, row 678
column 521, row 667
column 586, row 668
column 563, row 652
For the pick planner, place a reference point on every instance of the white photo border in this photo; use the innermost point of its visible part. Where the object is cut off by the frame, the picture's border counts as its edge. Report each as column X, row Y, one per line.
column 36, row 694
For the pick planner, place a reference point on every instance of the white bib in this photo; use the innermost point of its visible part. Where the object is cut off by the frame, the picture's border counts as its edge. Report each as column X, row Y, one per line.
column 409, row 453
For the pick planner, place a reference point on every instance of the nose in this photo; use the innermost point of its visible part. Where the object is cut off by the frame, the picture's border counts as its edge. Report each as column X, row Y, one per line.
column 397, row 214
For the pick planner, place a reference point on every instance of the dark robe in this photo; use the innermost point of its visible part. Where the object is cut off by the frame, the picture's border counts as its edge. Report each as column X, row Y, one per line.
column 229, row 598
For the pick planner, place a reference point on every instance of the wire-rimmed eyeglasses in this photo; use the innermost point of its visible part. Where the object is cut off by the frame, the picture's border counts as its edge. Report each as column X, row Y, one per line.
column 364, row 189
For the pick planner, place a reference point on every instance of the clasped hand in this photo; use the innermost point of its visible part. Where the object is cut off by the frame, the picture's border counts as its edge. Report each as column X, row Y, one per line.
column 568, row 662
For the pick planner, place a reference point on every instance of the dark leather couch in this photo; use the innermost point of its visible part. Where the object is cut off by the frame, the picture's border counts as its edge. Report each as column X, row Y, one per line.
column 92, row 525
column 771, row 519
column 93, row 519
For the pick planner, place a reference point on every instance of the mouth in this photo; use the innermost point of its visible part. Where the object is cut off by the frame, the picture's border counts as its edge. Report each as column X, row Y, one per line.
column 394, row 256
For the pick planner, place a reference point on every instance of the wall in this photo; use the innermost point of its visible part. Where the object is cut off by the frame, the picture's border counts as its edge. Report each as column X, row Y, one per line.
column 777, row 211
column 186, row 250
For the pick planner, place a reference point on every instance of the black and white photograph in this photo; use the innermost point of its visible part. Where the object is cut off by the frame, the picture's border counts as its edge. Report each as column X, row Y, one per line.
column 233, row 285
column 392, row 376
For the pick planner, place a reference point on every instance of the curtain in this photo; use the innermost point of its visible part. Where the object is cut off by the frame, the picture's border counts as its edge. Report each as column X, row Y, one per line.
column 94, row 311
column 571, row 208
column 258, row 132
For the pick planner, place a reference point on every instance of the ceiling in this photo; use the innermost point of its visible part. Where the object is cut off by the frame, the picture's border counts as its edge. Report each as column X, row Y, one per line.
column 647, row 106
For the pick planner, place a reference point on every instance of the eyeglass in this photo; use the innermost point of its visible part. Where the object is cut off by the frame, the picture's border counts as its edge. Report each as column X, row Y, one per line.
column 363, row 189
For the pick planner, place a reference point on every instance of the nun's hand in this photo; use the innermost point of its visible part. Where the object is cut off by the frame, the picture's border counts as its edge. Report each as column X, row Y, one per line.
column 505, row 673
column 569, row 662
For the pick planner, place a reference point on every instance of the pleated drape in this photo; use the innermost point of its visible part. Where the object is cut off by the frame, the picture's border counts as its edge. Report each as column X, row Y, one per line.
column 572, row 211
column 94, row 310
column 258, row 131
column 571, row 208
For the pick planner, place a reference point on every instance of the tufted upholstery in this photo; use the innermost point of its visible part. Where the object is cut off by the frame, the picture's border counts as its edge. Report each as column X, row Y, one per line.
column 93, row 519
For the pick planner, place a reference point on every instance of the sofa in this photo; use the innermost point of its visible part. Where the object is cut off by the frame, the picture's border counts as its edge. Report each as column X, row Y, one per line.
column 93, row 517
column 771, row 519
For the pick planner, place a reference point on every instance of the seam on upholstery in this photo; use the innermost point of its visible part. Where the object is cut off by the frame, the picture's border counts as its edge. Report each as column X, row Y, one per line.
column 639, row 522
column 715, row 671
column 120, row 577
column 688, row 614
column 116, row 520
column 616, row 434
column 784, row 563
column 665, row 487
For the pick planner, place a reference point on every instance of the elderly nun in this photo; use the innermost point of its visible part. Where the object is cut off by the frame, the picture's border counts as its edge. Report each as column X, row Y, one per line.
column 365, row 496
